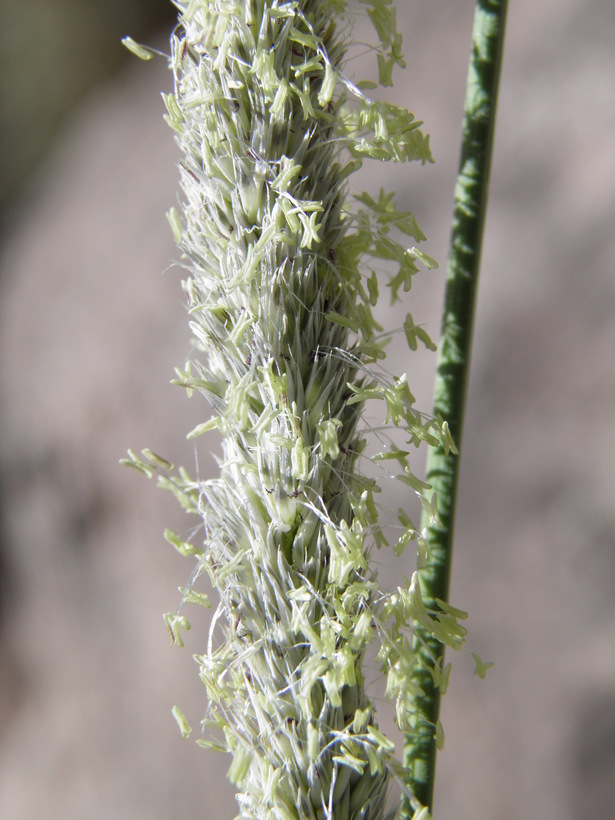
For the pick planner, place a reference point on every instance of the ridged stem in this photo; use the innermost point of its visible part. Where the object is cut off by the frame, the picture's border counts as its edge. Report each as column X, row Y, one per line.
column 453, row 367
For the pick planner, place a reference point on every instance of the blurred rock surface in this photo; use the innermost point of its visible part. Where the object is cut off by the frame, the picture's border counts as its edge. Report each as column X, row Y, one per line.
column 52, row 53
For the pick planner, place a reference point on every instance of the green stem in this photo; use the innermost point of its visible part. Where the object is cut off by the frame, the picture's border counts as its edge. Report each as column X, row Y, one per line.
column 453, row 367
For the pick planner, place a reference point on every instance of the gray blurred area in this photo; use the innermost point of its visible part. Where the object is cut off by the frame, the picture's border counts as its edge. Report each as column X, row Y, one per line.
column 91, row 325
column 52, row 52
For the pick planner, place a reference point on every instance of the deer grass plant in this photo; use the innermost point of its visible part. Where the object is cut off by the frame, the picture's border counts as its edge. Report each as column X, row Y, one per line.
column 283, row 270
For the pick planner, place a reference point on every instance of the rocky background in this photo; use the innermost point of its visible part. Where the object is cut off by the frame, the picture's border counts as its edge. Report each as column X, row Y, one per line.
column 91, row 325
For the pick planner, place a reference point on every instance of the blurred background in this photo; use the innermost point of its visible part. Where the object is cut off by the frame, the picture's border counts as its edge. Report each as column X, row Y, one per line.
column 92, row 323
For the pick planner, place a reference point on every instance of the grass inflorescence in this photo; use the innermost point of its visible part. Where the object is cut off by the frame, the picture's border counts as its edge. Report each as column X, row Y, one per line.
column 280, row 292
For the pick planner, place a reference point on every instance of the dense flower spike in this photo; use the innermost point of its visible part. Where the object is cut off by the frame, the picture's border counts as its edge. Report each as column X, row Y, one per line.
column 286, row 352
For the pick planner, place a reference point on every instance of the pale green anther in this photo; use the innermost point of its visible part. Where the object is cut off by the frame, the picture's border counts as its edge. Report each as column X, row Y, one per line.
column 362, row 632
column 414, row 597
column 175, row 223
column 174, row 118
column 454, row 611
column 328, row 85
column 408, row 477
column 372, row 286
column 289, row 170
column 393, row 455
column 182, row 721
column 313, row 65
column 214, row 423
column 328, row 435
column 375, row 760
column 174, row 624
column 362, row 394
column 346, row 321
column 333, row 682
column 277, row 385
column 382, row 17
column 300, row 461
column 212, row 745
column 190, row 596
column 286, row 216
column 381, row 740
column 306, row 206
column 183, row 547
column 137, row 464
column 385, row 71
column 439, row 735
column 281, row 96
column 410, row 331
column 251, row 198
column 305, row 99
column 428, row 261
column 238, row 402
column 158, row 461
column 422, row 552
column 310, row 229
column 142, row 52
column 361, row 719
column 446, row 630
column 395, row 406
column 350, row 760
column 281, row 441
column 263, row 68
column 284, row 10
column 347, row 553
column 402, row 542
column 313, row 745
column 447, row 440
column 301, row 621
column 270, row 236
column 481, row 666
column 309, row 41
column 446, row 676
column 242, row 757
